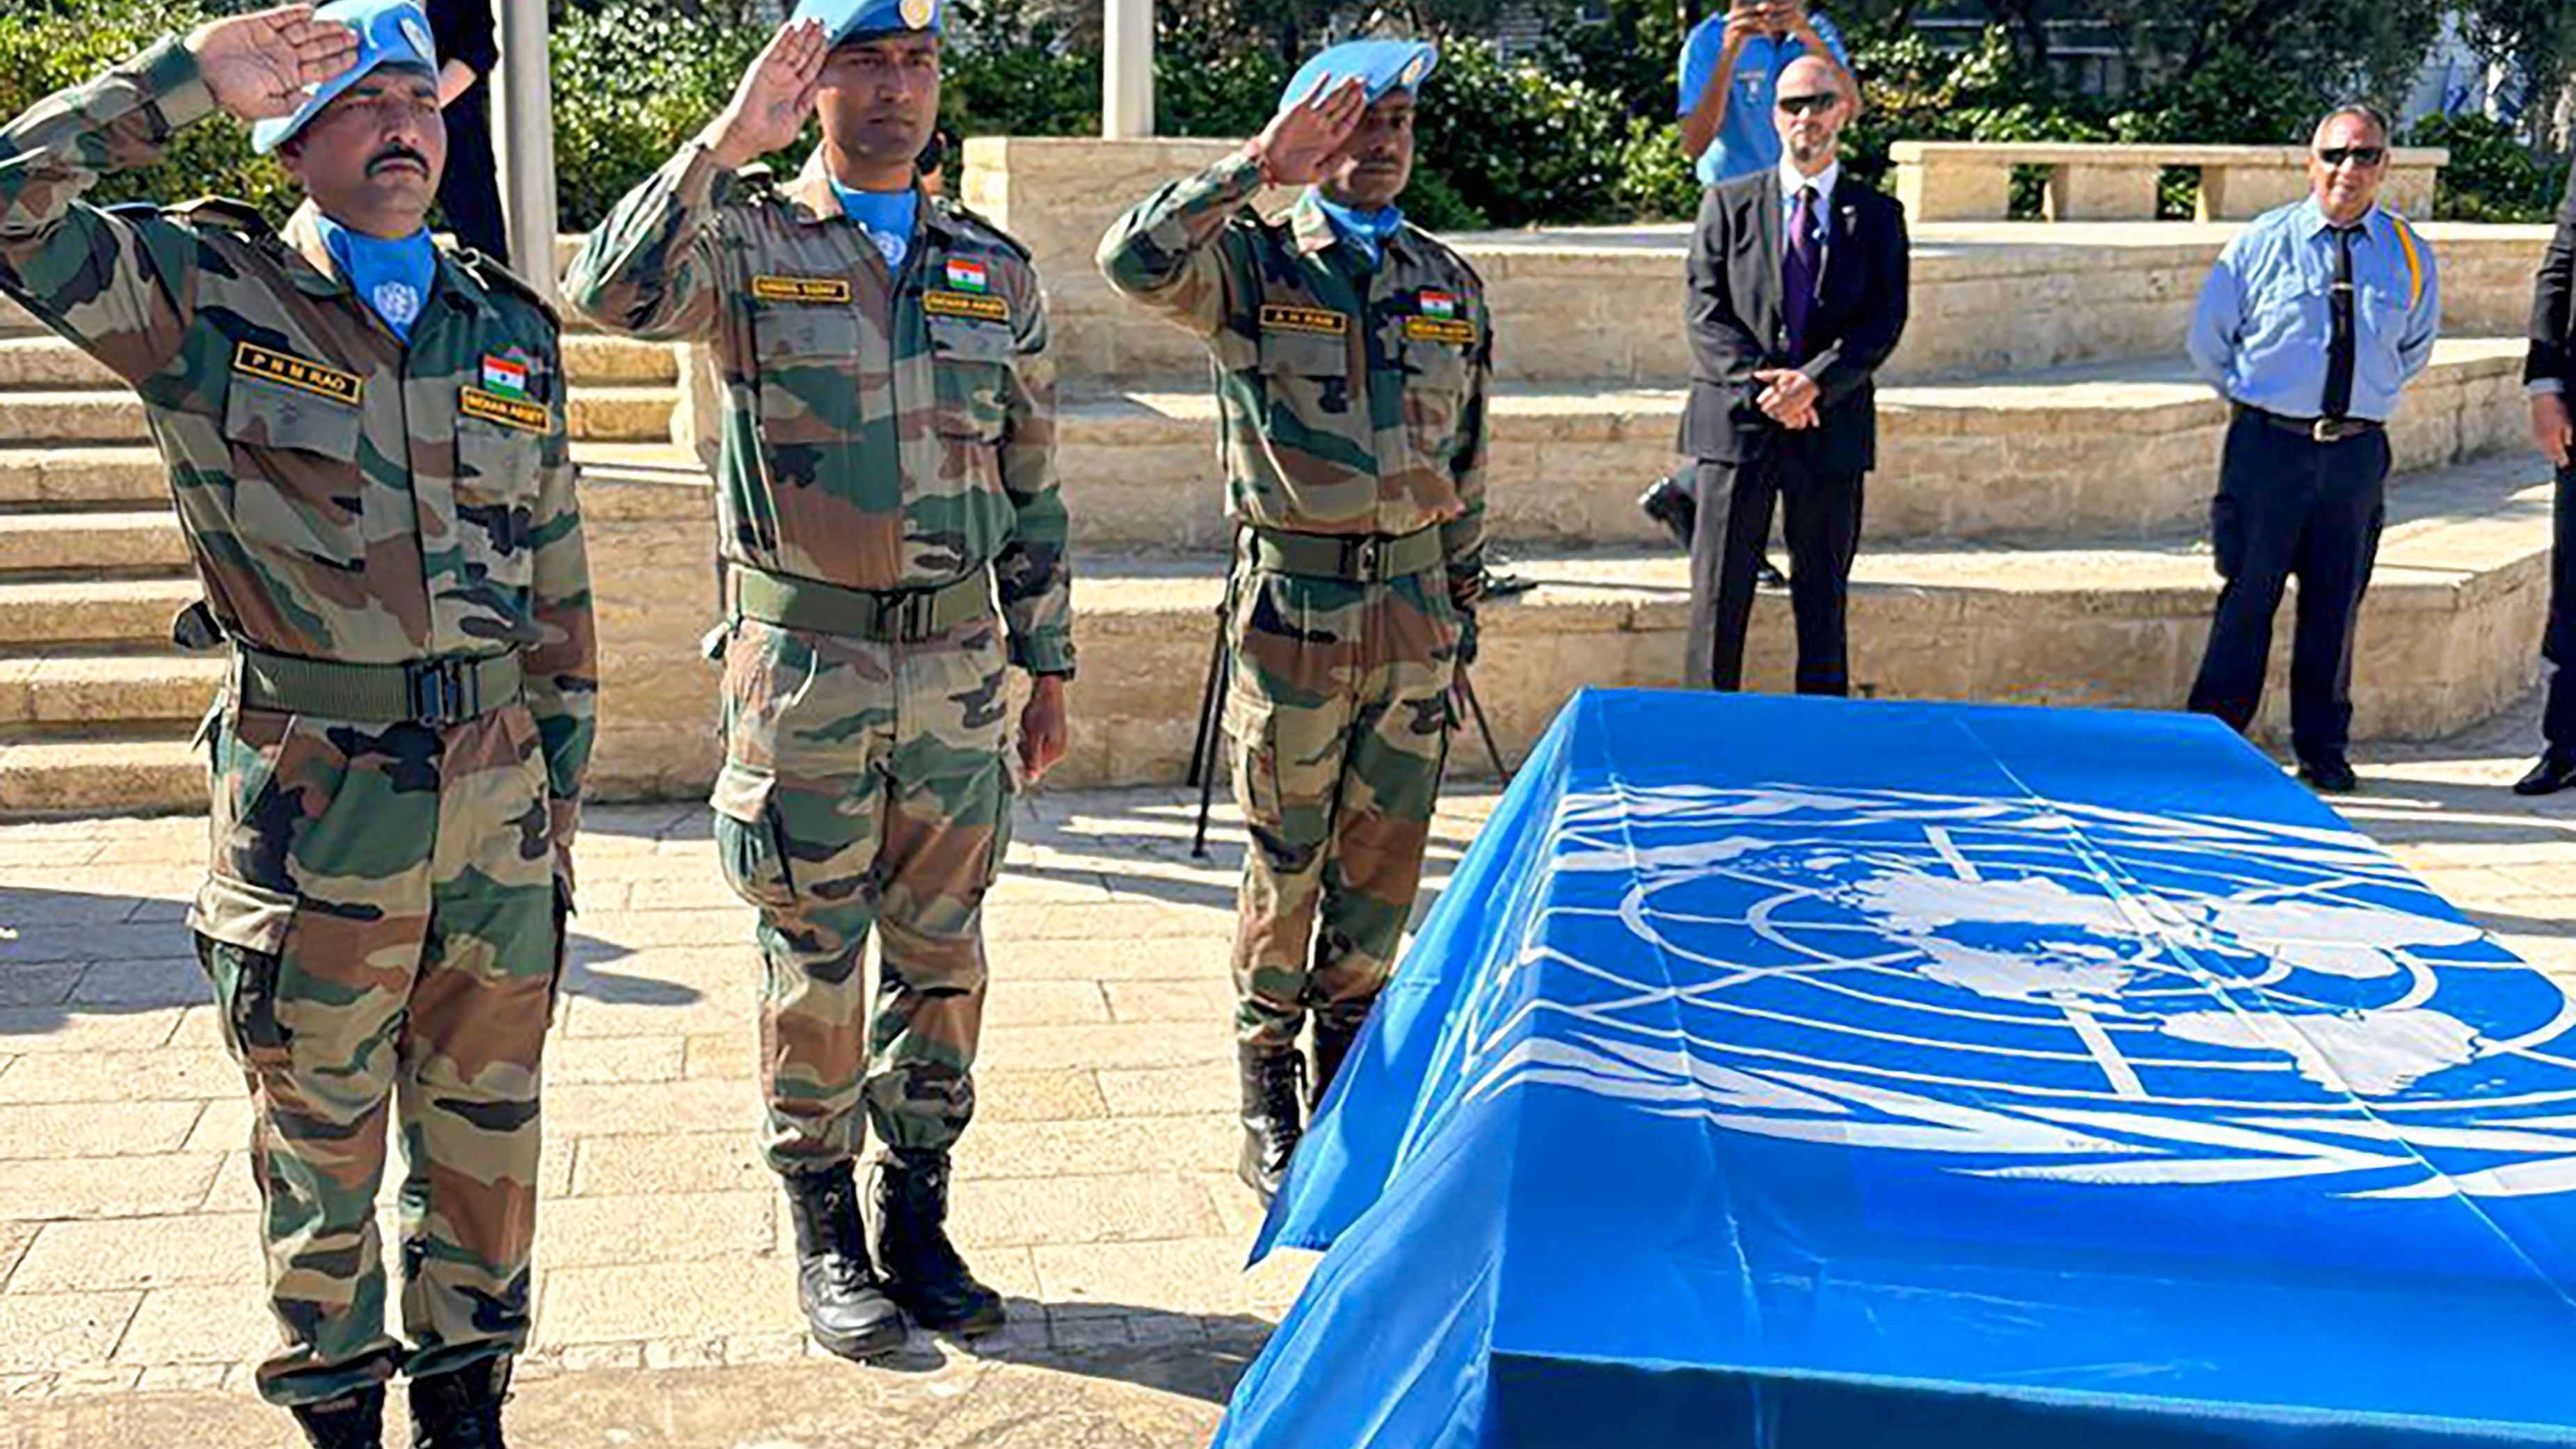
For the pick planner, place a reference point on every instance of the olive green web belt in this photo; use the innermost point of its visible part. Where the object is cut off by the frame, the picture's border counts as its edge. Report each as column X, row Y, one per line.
column 1366, row 558
column 902, row 616
column 445, row 690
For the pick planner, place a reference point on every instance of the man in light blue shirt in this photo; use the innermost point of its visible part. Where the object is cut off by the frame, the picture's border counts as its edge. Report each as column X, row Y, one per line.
column 1731, row 66
column 2316, row 315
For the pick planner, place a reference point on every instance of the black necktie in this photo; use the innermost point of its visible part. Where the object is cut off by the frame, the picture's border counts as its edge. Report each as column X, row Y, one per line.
column 2339, row 348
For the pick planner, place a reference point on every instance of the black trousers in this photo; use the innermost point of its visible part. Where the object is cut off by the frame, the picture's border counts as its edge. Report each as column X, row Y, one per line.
column 469, row 193
column 2558, row 644
column 2291, row 507
column 1822, row 524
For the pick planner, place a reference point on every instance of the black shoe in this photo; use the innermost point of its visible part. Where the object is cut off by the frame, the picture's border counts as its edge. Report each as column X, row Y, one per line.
column 923, row 1271
column 2328, row 775
column 846, row 1309
column 2555, row 772
column 460, row 1409
column 1767, row 576
column 1271, row 1122
column 355, row 1420
column 1668, row 503
column 1332, row 1042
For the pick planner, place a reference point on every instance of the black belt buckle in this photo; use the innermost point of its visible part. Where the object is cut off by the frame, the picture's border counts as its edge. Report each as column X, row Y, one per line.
column 443, row 690
column 1365, row 557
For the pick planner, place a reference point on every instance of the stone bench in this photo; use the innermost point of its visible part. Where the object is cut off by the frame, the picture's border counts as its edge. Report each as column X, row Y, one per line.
column 1972, row 180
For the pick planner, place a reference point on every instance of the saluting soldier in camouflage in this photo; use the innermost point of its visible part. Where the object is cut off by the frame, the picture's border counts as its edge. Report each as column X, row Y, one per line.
column 1353, row 354
column 365, row 442
column 887, row 468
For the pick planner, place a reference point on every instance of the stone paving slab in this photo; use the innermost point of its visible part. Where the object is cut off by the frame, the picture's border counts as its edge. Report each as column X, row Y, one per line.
column 1095, row 1189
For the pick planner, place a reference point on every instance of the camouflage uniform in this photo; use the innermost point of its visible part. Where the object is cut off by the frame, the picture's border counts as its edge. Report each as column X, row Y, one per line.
column 891, row 439
column 1353, row 403
column 391, row 846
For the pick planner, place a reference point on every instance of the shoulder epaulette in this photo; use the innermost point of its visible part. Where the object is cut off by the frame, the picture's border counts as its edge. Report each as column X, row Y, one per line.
column 984, row 223
column 224, row 212
column 756, row 180
column 494, row 277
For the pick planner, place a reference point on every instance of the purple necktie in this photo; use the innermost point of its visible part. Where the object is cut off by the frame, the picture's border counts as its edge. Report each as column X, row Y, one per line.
column 1798, row 274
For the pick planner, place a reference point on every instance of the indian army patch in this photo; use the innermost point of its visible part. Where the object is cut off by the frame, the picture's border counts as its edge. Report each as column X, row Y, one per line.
column 965, row 274
column 801, row 289
column 1321, row 321
column 509, row 412
column 506, row 373
column 1435, row 319
column 253, row 360
column 965, row 304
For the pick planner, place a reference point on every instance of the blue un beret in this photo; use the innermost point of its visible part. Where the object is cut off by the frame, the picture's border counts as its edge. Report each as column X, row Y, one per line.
column 390, row 32
column 1380, row 66
column 866, row 19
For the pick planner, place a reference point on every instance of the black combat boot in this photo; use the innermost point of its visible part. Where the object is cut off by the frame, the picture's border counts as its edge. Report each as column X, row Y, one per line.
column 923, row 1271
column 1271, row 1124
column 355, row 1420
column 1332, row 1042
column 845, row 1306
column 460, row 1409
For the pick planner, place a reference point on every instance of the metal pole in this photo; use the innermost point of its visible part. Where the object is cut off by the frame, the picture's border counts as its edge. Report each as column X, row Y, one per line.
column 524, row 135
column 1127, row 70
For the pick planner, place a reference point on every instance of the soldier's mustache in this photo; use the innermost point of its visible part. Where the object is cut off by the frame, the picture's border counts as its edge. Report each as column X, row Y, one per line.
column 397, row 152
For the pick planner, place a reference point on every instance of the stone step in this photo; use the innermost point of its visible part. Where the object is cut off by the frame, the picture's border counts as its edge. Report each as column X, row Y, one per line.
column 2450, row 635
column 2128, row 450
column 35, row 614
column 48, row 362
column 618, row 412
column 121, row 541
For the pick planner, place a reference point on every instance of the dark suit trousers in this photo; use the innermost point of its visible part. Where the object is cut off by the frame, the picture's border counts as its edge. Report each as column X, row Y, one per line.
column 469, row 193
column 1822, row 525
column 2558, row 645
column 2288, row 507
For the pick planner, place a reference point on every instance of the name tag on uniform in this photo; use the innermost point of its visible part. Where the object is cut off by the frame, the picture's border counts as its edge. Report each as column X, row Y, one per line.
column 509, row 412
column 251, row 359
column 801, row 289
column 1320, row 321
column 1456, row 330
column 965, row 304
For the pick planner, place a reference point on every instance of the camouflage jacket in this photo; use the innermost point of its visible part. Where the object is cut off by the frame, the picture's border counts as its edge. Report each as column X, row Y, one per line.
column 882, row 431
column 1353, row 397
column 345, row 497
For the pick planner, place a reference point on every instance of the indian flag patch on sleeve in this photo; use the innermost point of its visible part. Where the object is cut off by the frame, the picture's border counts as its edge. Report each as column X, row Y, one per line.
column 965, row 274
column 506, row 373
column 1438, row 304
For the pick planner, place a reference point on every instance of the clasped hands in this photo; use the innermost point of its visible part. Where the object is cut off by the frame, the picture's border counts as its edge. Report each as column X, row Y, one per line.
column 1788, row 397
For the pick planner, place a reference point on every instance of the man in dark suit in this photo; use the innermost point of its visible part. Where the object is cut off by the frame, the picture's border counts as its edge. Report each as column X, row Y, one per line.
column 1796, row 296
column 2545, row 372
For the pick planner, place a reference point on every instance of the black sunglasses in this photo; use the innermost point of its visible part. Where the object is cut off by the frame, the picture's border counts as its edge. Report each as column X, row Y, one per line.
column 2357, row 155
column 1801, row 105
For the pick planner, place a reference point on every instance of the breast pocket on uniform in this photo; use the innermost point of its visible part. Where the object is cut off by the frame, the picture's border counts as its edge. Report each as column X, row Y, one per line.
column 499, row 469
column 296, row 484
column 971, row 362
column 1435, row 384
column 1305, row 362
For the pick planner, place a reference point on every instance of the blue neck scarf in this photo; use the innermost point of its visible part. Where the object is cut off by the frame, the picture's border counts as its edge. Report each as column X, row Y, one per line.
column 1365, row 230
column 886, row 216
column 391, row 277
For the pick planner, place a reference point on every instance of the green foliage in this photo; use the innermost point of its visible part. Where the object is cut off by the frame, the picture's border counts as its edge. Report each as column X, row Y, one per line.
column 1201, row 89
column 1519, row 145
column 630, row 85
column 44, row 48
column 1655, row 180
column 2492, row 175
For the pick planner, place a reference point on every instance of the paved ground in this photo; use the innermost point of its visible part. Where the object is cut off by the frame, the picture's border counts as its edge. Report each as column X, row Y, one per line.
column 1094, row 1189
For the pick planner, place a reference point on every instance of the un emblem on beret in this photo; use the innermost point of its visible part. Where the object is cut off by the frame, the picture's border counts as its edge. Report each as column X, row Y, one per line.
column 919, row 13
column 417, row 34
column 1413, row 71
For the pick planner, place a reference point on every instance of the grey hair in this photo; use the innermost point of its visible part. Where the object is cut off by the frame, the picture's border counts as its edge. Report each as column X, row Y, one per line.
column 2377, row 118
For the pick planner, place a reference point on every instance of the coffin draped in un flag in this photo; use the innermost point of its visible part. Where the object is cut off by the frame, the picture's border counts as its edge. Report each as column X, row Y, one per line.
column 1795, row 1073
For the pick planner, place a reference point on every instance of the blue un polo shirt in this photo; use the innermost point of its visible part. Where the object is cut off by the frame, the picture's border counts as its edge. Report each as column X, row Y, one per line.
column 1745, row 141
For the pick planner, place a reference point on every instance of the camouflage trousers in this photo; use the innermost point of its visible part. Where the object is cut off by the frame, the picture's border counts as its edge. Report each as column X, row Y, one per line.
column 384, row 936
column 864, row 789
column 1339, row 707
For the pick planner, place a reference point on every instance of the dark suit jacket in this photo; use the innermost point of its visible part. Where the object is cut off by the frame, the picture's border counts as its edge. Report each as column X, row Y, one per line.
column 2553, row 300
column 1733, row 310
